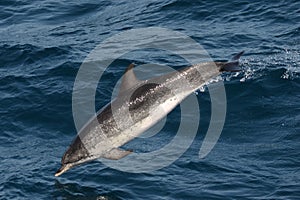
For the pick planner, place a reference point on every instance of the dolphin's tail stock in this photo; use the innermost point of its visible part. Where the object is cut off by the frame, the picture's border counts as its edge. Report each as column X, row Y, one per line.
column 232, row 65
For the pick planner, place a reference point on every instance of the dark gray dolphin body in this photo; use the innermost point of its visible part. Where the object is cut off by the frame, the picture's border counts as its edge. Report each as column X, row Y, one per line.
column 138, row 106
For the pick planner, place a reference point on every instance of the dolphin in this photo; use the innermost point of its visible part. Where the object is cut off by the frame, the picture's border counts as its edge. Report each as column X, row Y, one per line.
column 138, row 106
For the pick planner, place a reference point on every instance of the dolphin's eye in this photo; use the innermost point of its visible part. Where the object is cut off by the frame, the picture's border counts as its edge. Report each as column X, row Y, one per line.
column 76, row 152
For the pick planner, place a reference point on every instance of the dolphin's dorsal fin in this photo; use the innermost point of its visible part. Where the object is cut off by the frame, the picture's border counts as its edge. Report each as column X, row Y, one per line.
column 129, row 79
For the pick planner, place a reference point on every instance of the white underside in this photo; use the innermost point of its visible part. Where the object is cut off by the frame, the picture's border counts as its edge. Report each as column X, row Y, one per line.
column 138, row 128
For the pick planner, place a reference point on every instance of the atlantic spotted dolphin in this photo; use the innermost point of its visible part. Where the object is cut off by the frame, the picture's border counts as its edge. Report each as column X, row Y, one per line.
column 139, row 105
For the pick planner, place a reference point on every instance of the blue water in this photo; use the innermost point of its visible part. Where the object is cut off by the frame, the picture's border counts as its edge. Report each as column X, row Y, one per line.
column 42, row 45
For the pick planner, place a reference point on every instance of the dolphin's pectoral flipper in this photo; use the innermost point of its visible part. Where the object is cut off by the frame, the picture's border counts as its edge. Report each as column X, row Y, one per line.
column 116, row 154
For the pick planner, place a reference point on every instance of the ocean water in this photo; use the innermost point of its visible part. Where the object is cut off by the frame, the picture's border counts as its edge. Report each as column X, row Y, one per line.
column 44, row 43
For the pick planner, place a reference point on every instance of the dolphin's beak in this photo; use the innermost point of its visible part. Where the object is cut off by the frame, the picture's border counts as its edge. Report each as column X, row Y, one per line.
column 62, row 169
